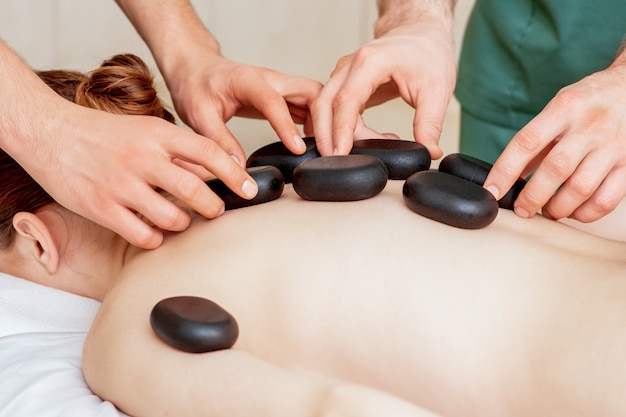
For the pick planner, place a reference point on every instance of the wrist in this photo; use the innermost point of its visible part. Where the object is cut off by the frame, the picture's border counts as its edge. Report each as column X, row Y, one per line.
column 174, row 60
column 410, row 16
column 28, row 107
column 173, row 31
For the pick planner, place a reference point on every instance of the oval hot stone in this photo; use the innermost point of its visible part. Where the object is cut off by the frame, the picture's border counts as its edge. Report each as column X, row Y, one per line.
column 401, row 157
column 340, row 178
column 193, row 324
column 450, row 200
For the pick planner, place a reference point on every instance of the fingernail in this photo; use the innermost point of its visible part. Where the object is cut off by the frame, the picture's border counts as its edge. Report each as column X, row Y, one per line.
column 335, row 151
column 493, row 190
column 300, row 145
column 249, row 189
column 522, row 212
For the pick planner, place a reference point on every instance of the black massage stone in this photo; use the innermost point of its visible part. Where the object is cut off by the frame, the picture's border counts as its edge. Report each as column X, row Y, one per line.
column 476, row 171
column 450, row 200
column 269, row 180
column 340, row 178
column 277, row 154
column 193, row 324
column 401, row 157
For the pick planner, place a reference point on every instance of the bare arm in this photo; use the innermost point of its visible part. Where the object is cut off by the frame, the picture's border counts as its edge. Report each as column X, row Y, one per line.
column 577, row 145
column 393, row 13
column 208, row 89
column 105, row 166
column 412, row 56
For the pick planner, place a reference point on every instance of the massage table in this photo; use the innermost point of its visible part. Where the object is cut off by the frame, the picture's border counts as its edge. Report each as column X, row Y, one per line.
column 42, row 331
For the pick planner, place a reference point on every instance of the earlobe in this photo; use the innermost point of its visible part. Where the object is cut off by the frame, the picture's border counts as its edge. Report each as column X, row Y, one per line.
column 38, row 238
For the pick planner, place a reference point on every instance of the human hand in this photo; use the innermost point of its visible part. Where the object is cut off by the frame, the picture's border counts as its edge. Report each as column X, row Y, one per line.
column 577, row 145
column 415, row 62
column 108, row 168
column 210, row 90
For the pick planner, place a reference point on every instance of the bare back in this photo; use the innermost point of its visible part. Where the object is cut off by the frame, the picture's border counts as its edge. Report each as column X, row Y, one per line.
column 371, row 292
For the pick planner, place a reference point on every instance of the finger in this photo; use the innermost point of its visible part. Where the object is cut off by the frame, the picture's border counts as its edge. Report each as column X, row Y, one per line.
column 605, row 199
column 322, row 114
column 578, row 188
column 200, row 171
column 125, row 223
column 536, row 161
column 298, row 114
column 348, row 104
column 363, row 132
column 186, row 187
column 307, row 126
column 554, row 170
column 300, row 91
column 430, row 111
column 322, row 111
column 205, row 152
column 275, row 109
column 522, row 149
column 213, row 127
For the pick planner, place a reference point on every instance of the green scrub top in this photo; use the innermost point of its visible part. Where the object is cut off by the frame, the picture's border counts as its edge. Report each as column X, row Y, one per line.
column 517, row 54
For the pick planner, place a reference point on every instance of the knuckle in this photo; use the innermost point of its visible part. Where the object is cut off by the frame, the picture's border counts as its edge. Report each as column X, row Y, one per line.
column 565, row 100
column 189, row 187
column 272, row 99
column 172, row 218
column 502, row 170
column 558, row 165
column 582, row 186
column 343, row 100
column 367, row 54
column 317, row 104
column 530, row 198
column 207, row 148
column 528, row 140
column 604, row 203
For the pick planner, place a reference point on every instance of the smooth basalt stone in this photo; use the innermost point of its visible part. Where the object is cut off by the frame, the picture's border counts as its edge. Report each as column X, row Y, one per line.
column 269, row 180
column 450, row 200
column 401, row 157
column 340, row 178
column 277, row 154
column 193, row 324
column 476, row 171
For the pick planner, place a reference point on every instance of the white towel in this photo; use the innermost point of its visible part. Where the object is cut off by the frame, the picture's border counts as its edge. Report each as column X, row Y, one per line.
column 28, row 307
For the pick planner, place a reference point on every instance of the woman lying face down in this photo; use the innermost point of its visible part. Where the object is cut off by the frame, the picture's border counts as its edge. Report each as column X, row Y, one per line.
column 348, row 309
column 39, row 239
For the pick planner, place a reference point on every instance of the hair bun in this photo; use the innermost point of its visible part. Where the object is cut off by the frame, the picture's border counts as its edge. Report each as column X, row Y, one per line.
column 124, row 85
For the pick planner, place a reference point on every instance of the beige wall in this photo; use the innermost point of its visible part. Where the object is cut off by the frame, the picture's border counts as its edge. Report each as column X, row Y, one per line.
column 298, row 37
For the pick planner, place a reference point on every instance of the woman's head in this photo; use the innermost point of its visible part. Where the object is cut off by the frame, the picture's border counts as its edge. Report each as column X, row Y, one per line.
column 122, row 85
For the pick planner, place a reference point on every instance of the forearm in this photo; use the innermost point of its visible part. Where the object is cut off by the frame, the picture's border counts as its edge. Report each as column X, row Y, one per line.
column 28, row 107
column 171, row 29
column 407, row 13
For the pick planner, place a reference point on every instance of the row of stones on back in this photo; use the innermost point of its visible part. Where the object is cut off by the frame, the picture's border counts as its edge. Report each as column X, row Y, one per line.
column 452, row 195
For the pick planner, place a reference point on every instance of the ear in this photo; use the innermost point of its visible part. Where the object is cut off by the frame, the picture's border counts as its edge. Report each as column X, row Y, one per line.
column 38, row 239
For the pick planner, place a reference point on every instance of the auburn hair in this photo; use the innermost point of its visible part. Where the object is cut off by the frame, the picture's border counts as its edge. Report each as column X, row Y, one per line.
column 122, row 84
